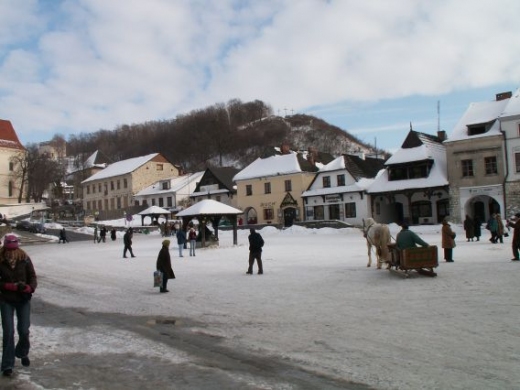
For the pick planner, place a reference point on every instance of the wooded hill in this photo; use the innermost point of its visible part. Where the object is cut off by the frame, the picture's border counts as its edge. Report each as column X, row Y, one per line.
column 232, row 134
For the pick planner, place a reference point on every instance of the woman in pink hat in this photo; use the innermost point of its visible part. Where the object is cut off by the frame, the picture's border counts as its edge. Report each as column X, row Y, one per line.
column 17, row 284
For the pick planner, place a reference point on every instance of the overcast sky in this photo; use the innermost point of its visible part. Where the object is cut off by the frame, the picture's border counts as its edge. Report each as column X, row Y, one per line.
column 369, row 67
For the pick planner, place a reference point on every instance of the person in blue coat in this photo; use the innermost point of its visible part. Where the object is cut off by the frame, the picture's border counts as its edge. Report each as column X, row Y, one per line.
column 181, row 240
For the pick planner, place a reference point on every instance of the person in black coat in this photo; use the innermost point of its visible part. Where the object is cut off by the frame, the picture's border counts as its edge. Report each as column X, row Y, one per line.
column 256, row 243
column 515, row 245
column 164, row 264
column 63, row 236
column 127, row 240
column 477, row 231
column 17, row 284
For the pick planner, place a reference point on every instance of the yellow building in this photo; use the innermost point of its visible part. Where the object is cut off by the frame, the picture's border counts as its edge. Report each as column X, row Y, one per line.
column 10, row 150
column 269, row 189
column 114, row 187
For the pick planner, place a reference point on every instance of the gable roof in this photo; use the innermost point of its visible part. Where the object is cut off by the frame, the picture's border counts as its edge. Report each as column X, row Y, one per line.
column 476, row 114
column 357, row 167
column 177, row 183
column 281, row 164
column 223, row 175
column 122, row 167
column 8, row 137
column 416, row 147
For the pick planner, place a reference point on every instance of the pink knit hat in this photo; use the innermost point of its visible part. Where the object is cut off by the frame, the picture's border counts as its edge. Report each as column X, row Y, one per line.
column 11, row 241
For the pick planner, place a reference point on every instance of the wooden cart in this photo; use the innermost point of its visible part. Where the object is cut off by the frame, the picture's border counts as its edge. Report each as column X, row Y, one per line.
column 420, row 259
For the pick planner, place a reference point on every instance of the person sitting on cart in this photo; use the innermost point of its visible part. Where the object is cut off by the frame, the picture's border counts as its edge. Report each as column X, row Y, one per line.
column 407, row 239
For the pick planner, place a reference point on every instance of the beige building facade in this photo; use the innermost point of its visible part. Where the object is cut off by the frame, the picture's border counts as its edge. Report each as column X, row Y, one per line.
column 476, row 162
column 114, row 187
column 269, row 190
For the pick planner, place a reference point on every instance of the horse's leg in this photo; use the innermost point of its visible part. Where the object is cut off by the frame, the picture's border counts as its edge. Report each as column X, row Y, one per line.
column 369, row 254
column 378, row 257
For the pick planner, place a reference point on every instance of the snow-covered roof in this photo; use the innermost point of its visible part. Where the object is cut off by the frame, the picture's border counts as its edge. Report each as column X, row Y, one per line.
column 382, row 184
column 154, row 210
column 209, row 207
column 335, row 165
column 121, row 167
column 360, row 185
column 177, row 183
column 513, row 106
column 479, row 113
column 271, row 166
column 428, row 149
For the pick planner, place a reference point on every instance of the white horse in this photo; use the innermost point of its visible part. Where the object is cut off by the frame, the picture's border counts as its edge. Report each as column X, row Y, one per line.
column 377, row 236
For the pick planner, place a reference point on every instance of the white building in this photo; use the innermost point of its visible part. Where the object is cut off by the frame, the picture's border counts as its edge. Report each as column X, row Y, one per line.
column 338, row 191
column 169, row 193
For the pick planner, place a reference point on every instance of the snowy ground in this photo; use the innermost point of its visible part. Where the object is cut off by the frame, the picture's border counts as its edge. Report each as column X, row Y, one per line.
column 317, row 305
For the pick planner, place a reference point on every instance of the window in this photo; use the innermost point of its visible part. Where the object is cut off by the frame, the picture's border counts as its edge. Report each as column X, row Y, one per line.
column 165, row 185
column 249, row 190
column 218, row 198
column 268, row 214
column 11, row 166
column 99, row 187
column 267, row 188
column 169, row 202
column 112, row 186
column 518, row 133
column 153, row 201
column 517, row 162
column 10, row 188
column 125, row 183
column 467, row 168
column 288, row 186
column 350, row 210
column 88, row 192
column 421, row 209
column 490, row 164
column 326, row 181
column 118, row 185
column 93, row 188
column 160, row 167
column 341, row 180
column 161, row 202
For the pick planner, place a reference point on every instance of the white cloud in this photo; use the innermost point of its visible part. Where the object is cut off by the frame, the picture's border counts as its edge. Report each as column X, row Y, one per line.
column 99, row 63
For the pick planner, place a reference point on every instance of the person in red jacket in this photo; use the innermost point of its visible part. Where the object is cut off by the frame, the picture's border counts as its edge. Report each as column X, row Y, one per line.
column 17, row 284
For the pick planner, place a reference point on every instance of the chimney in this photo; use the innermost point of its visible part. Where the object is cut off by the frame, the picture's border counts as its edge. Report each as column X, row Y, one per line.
column 284, row 149
column 312, row 153
column 503, row 95
column 441, row 134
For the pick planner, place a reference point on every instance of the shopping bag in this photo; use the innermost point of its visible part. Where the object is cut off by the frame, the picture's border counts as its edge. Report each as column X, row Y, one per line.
column 157, row 279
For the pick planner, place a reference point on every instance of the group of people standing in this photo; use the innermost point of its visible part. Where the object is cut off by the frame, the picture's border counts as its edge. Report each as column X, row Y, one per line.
column 472, row 227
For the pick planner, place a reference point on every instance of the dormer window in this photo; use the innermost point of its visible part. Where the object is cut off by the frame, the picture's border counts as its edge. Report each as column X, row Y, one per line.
column 165, row 185
column 416, row 170
column 480, row 128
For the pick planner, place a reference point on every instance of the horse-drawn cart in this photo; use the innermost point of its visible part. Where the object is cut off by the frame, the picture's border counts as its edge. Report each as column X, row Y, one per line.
column 420, row 259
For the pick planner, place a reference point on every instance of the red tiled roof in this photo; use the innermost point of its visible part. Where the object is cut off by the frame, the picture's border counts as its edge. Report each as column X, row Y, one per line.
column 8, row 137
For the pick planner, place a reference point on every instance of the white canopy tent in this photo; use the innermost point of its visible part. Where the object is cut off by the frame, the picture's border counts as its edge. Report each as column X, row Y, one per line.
column 154, row 213
column 212, row 210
